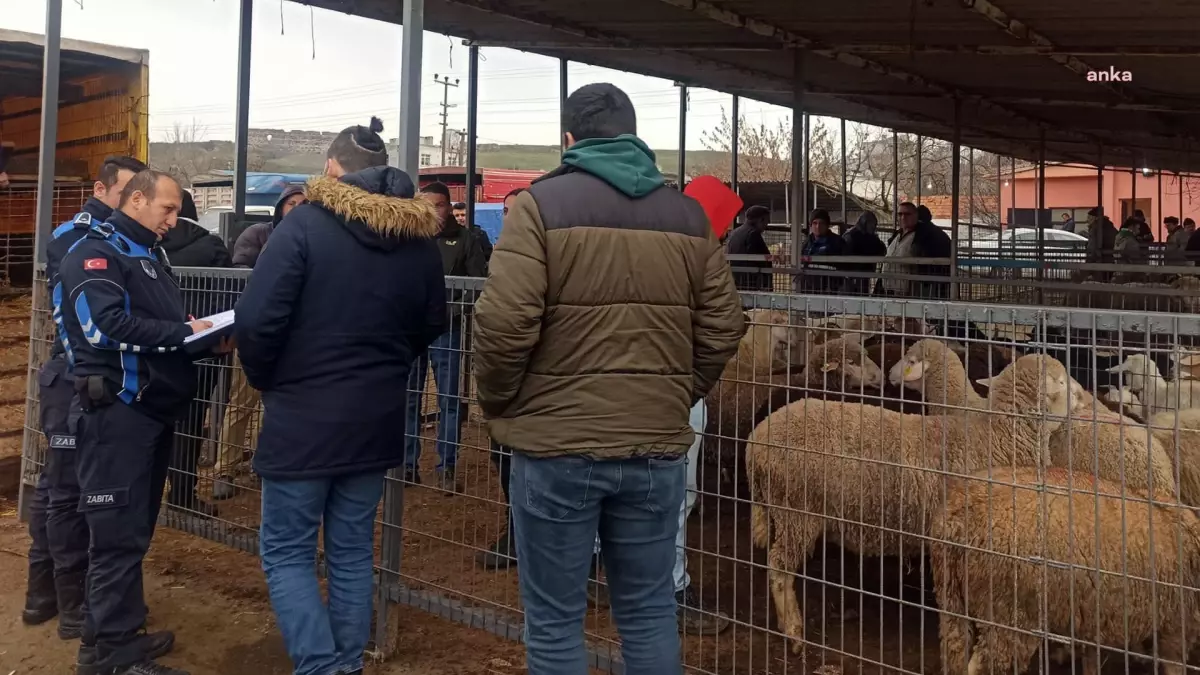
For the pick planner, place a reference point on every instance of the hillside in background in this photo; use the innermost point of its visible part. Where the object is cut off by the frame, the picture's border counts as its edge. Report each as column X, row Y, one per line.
column 185, row 160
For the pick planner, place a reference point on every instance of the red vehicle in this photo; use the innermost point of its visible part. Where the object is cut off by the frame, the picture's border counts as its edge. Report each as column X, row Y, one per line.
column 490, row 184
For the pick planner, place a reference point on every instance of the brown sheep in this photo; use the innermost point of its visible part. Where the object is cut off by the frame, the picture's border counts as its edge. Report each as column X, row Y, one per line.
column 883, row 469
column 1025, row 553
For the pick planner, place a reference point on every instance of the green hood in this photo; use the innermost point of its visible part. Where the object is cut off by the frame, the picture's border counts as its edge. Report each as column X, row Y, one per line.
column 623, row 162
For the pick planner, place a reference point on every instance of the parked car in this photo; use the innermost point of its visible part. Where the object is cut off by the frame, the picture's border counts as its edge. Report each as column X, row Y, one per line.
column 211, row 219
column 1016, row 250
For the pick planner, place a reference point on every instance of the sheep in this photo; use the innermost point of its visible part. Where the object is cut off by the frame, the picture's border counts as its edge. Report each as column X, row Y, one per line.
column 933, row 369
column 1123, row 402
column 840, row 370
column 1185, row 453
column 1157, row 394
column 1025, row 553
column 767, row 352
column 1093, row 432
column 882, row 469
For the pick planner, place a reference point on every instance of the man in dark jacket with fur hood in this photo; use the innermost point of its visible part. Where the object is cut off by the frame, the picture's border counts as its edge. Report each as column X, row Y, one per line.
column 340, row 304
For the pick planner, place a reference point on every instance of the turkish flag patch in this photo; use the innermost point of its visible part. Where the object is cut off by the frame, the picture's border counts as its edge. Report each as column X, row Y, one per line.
column 95, row 264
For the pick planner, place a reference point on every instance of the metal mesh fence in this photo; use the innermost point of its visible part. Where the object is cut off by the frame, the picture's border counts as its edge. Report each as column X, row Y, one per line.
column 886, row 485
column 18, row 213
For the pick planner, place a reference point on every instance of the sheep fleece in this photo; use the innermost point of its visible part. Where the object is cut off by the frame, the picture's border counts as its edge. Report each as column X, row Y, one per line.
column 990, row 537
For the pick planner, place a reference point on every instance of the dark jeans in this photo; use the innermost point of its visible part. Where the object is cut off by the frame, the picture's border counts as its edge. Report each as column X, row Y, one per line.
column 560, row 504
column 446, row 355
column 321, row 638
column 123, row 457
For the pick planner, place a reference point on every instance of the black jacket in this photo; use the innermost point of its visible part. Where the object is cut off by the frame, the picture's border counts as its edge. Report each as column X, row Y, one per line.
column 864, row 242
column 124, row 317
column 820, row 280
column 341, row 303
column 930, row 242
column 250, row 243
column 190, row 245
column 94, row 212
column 747, row 240
column 463, row 255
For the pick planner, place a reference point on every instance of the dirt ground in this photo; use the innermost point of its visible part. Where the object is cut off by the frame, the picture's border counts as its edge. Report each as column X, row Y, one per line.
column 216, row 602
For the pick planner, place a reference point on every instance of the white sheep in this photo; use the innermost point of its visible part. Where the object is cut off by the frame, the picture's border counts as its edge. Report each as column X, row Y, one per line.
column 1157, row 393
column 1184, row 449
column 771, row 351
column 1051, row 551
column 1127, row 454
column 819, row 467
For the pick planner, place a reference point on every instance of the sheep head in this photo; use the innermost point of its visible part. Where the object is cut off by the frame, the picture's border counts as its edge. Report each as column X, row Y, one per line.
column 1036, row 384
column 845, row 356
column 1187, row 366
column 771, row 343
column 927, row 358
column 1140, row 370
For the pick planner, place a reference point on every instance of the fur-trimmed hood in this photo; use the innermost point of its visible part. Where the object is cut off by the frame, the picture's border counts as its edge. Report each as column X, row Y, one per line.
column 378, row 205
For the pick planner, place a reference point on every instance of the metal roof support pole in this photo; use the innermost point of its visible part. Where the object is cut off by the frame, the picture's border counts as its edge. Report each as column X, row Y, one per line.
column 1000, row 219
column 562, row 101
column 895, row 179
column 1100, row 178
column 1179, row 180
column 1039, row 225
column 408, row 159
column 43, row 223
column 1012, row 186
column 1133, row 172
column 49, row 139
column 971, row 197
column 920, row 143
column 844, row 168
column 408, row 155
column 955, row 183
column 799, row 149
column 683, row 110
column 735, row 130
column 1159, row 218
column 472, row 128
column 808, row 206
column 241, row 131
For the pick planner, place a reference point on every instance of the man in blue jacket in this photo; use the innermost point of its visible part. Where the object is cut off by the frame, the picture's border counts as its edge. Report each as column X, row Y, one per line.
column 123, row 315
column 346, row 296
column 59, row 549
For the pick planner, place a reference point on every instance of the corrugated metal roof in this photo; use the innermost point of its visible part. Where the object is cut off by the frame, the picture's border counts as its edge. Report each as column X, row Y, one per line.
column 1018, row 66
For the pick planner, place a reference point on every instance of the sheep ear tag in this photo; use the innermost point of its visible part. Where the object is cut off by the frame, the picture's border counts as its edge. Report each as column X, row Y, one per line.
column 985, row 381
column 914, row 371
column 831, row 366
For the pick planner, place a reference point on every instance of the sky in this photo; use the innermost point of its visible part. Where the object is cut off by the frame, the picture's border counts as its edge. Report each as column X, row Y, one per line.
column 318, row 70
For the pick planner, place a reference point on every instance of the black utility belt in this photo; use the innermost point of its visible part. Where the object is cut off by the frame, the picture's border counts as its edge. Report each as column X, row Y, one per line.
column 94, row 392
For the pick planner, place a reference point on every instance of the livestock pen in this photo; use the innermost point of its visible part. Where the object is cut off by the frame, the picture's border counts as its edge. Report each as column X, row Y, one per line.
column 879, row 548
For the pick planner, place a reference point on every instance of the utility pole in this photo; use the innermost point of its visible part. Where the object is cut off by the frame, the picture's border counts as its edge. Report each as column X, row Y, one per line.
column 446, row 106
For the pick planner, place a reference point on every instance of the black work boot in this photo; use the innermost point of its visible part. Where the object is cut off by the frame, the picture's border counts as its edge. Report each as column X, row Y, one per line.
column 71, row 594
column 501, row 555
column 41, row 603
column 151, row 645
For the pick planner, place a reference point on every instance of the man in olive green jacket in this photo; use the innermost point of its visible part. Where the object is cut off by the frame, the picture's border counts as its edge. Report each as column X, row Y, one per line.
column 608, row 313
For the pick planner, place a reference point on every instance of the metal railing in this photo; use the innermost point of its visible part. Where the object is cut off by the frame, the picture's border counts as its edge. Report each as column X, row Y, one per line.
column 909, row 525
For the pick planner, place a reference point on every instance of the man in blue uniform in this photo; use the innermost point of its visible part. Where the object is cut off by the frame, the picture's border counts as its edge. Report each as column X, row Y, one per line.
column 58, row 555
column 123, row 315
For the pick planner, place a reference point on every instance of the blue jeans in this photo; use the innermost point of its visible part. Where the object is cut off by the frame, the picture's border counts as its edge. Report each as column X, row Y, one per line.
column 446, row 355
column 320, row 639
column 559, row 504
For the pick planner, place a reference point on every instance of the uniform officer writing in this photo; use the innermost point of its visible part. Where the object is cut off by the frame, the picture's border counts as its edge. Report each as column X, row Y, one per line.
column 125, row 322
column 58, row 555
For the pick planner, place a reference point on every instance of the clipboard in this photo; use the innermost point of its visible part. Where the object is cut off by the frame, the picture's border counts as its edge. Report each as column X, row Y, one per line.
column 205, row 340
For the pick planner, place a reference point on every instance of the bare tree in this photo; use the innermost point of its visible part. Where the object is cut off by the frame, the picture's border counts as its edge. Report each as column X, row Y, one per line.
column 186, row 155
